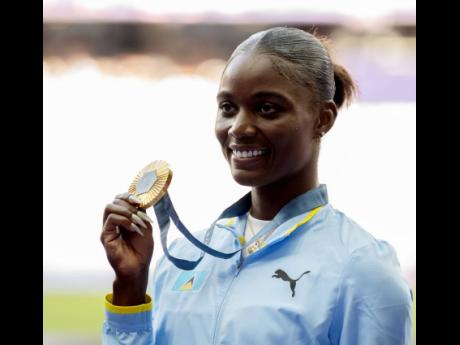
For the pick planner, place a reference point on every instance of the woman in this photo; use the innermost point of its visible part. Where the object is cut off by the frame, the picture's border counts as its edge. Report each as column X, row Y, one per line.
column 315, row 277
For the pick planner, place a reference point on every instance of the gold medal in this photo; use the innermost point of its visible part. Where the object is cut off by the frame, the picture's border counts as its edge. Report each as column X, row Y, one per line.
column 151, row 183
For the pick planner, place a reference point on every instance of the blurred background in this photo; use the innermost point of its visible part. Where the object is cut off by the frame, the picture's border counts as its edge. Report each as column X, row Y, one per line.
column 126, row 82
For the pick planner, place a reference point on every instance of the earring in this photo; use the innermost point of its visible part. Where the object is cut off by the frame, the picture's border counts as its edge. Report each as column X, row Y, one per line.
column 320, row 135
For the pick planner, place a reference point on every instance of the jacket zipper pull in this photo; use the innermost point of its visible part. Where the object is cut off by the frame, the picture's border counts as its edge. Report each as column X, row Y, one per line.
column 238, row 265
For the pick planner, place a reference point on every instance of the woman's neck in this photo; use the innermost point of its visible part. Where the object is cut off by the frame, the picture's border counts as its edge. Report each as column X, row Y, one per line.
column 268, row 200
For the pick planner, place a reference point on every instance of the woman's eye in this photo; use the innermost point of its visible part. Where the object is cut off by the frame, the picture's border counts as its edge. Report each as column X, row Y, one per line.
column 226, row 107
column 268, row 109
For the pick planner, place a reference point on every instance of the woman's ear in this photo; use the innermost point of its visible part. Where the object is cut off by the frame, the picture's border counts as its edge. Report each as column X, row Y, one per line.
column 326, row 118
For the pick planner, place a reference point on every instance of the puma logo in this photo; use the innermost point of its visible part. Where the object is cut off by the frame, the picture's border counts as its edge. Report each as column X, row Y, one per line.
column 292, row 282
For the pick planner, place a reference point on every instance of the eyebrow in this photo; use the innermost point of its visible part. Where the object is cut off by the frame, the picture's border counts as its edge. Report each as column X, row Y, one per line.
column 224, row 94
column 260, row 94
column 270, row 94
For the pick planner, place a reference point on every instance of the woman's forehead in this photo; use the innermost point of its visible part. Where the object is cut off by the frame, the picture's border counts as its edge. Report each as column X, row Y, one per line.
column 249, row 65
column 252, row 73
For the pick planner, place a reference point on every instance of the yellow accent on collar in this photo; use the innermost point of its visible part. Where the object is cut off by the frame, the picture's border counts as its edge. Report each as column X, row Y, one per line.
column 303, row 221
column 132, row 309
column 231, row 221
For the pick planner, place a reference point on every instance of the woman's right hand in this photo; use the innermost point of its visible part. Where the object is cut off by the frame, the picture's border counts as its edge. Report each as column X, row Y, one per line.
column 128, row 242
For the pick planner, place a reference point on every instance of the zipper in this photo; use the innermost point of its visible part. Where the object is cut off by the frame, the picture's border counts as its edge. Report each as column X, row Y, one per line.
column 239, row 266
column 224, row 300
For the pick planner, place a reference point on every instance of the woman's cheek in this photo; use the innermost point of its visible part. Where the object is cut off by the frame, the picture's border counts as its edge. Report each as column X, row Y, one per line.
column 221, row 130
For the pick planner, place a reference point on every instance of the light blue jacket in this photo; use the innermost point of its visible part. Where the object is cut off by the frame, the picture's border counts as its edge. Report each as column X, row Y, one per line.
column 319, row 279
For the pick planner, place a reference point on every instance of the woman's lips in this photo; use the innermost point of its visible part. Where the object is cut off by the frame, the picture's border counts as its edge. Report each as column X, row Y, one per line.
column 248, row 158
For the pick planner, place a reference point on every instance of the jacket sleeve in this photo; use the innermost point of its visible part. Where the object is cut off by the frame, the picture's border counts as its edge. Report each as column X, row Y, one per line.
column 374, row 304
column 131, row 325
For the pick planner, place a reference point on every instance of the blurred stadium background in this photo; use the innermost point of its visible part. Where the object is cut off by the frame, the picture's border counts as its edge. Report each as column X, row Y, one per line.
column 126, row 82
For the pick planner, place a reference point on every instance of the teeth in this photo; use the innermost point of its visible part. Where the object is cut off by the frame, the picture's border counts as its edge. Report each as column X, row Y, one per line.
column 248, row 154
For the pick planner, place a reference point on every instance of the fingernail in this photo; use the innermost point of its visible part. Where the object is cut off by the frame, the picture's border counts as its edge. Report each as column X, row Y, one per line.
column 118, row 196
column 136, row 228
column 117, row 229
column 135, row 199
column 144, row 216
column 138, row 220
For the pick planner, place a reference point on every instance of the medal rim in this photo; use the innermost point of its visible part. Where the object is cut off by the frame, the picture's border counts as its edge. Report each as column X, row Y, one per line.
column 161, row 182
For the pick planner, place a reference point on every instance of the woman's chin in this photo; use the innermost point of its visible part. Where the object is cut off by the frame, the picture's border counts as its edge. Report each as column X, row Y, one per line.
column 248, row 178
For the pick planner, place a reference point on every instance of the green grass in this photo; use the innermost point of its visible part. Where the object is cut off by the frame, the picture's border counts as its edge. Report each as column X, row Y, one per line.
column 73, row 313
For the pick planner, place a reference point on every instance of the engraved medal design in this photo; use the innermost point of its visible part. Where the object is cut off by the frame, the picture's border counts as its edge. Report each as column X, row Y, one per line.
column 151, row 183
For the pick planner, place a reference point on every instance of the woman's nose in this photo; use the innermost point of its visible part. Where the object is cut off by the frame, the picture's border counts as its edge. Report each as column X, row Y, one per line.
column 242, row 126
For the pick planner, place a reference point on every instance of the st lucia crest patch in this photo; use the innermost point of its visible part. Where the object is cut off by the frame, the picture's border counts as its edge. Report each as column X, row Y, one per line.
column 190, row 281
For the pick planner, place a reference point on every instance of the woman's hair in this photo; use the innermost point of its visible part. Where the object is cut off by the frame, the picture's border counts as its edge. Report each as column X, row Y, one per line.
column 309, row 62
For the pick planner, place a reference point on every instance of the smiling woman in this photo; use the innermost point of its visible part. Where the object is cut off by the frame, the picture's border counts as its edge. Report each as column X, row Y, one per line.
column 272, row 99
column 304, row 272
